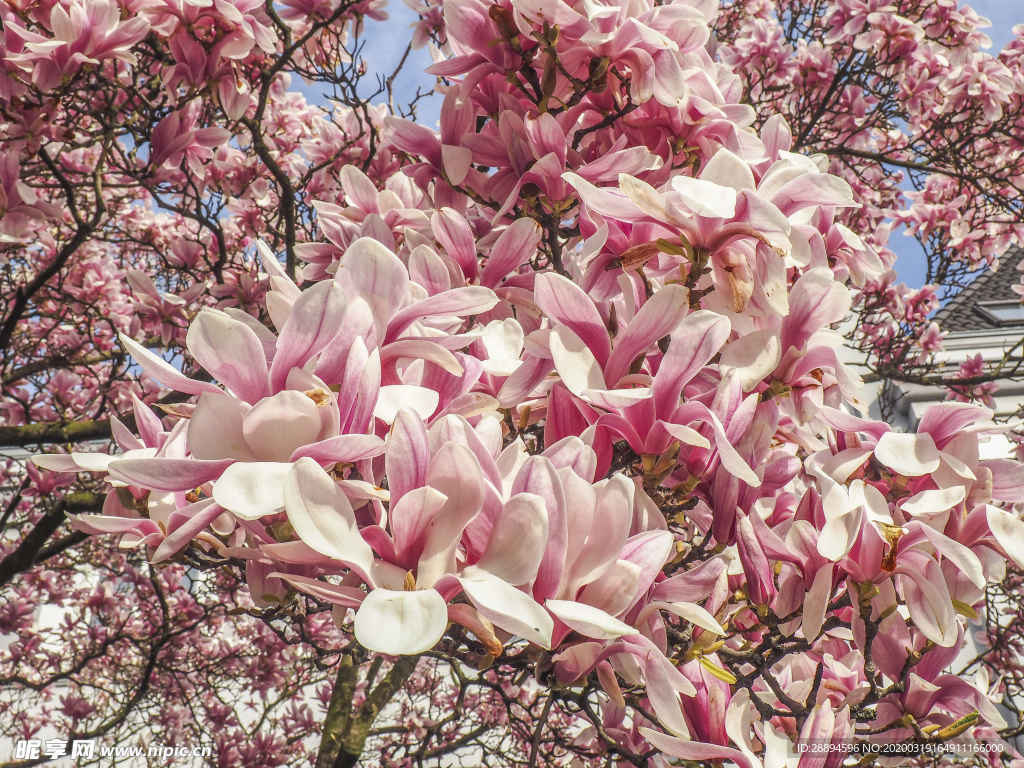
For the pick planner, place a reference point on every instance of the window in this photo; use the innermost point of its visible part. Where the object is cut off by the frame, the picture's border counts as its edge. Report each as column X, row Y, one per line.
column 1001, row 312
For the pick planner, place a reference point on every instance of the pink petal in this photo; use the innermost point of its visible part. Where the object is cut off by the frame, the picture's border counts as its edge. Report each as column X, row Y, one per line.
column 348, row 597
column 429, row 270
column 315, row 320
column 694, row 750
column 359, row 190
column 517, row 541
column 421, row 349
column 944, row 421
column 456, row 161
column 231, row 352
column 159, row 474
column 1007, row 479
column 813, row 189
column 608, row 532
column 460, row 302
column 539, row 476
column 408, row 454
column 278, row 426
column 815, row 302
column 697, row 339
column 369, row 267
column 164, row 372
column 565, row 303
column 414, row 139
column 615, row 590
column 927, row 598
column 607, row 202
column 513, row 248
column 649, row 551
column 455, row 472
column 215, row 429
column 453, row 428
column 656, row 319
column 103, row 524
column 342, row 449
column 410, row 518
column 846, row 422
column 203, row 513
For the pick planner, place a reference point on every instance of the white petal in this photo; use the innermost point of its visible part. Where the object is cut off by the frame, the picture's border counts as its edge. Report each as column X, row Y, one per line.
column 839, row 534
column 817, row 602
column 929, row 502
column 77, row 462
column 843, row 464
column 837, row 502
column 574, row 361
column 616, row 398
column 911, row 455
column 739, row 718
column 705, row 198
column 397, row 396
column 957, row 466
column 58, row 462
column 651, row 201
column 728, row 170
column 94, row 462
column 322, row 516
column 1009, row 532
column 507, row 607
column 874, row 503
column 687, row 435
column 958, row 554
column 503, row 339
column 589, row 621
column 401, row 623
column 501, row 366
column 752, row 357
column 517, row 541
column 252, row 489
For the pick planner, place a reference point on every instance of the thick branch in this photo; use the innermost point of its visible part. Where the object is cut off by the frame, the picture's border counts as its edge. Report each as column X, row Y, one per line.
column 345, row 731
column 55, row 433
column 59, row 433
column 27, row 553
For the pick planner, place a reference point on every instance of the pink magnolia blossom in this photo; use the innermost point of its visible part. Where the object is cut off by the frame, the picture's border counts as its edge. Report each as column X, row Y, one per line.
column 83, row 33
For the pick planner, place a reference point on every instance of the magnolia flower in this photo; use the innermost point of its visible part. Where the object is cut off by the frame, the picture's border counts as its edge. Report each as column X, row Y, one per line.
column 83, row 33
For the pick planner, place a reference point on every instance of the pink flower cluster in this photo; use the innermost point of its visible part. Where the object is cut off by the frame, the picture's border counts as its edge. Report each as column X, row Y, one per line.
column 562, row 376
column 373, row 376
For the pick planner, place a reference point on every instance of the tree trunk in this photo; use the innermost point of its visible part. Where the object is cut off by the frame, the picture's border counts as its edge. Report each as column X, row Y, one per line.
column 346, row 730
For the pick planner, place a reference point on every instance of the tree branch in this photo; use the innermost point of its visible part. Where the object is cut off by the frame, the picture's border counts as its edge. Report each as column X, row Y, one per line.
column 28, row 552
column 345, row 732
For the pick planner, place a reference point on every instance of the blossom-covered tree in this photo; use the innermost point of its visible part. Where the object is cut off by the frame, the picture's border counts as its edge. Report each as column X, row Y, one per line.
column 523, row 441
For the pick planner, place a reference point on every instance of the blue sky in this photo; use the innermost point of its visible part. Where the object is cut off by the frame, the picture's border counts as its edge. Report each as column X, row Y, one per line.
column 385, row 44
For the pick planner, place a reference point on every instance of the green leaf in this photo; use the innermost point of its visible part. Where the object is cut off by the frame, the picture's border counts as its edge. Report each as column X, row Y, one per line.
column 965, row 610
column 722, row 674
